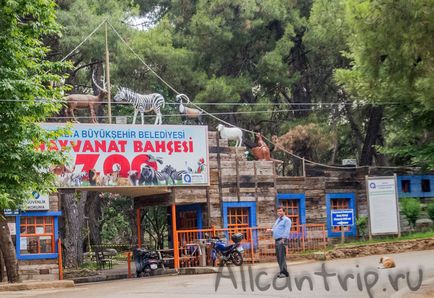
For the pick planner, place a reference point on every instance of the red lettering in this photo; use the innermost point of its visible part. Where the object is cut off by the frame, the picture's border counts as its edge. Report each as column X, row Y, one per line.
column 122, row 144
column 87, row 147
column 148, row 147
column 113, row 147
column 184, row 146
column 141, row 159
column 63, row 144
column 114, row 159
column 160, row 146
column 76, row 145
column 100, row 146
column 138, row 146
column 177, row 146
column 191, row 144
column 40, row 147
column 87, row 160
column 53, row 146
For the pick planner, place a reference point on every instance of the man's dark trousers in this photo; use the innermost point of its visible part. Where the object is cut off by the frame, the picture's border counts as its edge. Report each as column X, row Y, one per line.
column 281, row 256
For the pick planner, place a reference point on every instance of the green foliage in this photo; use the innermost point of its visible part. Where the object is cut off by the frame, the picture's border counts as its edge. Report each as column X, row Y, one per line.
column 362, row 225
column 115, row 228
column 26, row 99
column 411, row 208
column 219, row 51
column 430, row 211
column 391, row 47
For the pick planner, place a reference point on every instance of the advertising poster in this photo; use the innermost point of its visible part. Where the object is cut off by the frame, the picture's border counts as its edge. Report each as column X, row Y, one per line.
column 383, row 205
column 131, row 155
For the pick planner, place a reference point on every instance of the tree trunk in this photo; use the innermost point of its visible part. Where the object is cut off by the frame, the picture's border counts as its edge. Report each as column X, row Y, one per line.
column 7, row 249
column 131, row 215
column 372, row 133
column 73, row 211
column 2, row 268
column 299, row 64
column 93, row 208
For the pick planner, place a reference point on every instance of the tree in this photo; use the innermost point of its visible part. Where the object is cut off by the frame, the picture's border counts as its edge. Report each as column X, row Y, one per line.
column 24, row 101
column 391, row 48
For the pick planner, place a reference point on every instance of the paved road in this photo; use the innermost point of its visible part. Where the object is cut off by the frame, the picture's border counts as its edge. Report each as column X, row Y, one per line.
column 354, row 278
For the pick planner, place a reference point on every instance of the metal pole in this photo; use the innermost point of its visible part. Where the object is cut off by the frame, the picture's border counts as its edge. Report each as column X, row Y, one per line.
column 107, row 71
column 59, row 258
column 175, row 239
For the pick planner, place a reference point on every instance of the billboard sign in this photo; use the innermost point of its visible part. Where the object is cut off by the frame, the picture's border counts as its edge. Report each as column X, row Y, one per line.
column 107, row 155
column 383, row 205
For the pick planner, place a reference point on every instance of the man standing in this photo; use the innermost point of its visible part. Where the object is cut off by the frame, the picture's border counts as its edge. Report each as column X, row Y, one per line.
column 281, row 230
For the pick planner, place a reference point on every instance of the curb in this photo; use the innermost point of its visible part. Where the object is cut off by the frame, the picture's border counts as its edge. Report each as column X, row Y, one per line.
column 107, row 277
column 34, row 285
column 198, row 270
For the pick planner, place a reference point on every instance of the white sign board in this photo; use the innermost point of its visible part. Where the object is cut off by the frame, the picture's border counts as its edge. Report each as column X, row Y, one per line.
column 23, row 243
column 383, row 205
column 118, row 155
column 12, row 228
column 37, row 202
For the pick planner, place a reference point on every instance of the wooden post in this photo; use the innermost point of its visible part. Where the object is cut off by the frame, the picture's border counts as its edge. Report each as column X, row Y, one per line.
column 107, row 71
column 59, row 258
column 342, row 234
column 129, row 264
column 175, row 238
column 139, row 232
column 304, row 168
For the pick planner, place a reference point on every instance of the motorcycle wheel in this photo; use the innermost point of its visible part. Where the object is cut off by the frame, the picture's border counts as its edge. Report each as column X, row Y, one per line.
column 237, row 258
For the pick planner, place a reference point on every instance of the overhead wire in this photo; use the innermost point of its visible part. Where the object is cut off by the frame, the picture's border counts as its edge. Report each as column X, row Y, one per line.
column 196, row 105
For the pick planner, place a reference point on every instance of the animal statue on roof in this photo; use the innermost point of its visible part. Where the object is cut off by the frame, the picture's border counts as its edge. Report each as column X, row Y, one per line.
column 188, row 114
column 231, row 133
column 92, row 102
column 142, row 103
column 261, row 151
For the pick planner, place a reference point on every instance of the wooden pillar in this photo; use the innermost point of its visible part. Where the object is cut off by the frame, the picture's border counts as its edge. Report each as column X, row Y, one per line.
column 139, row 232
column 175, row 239
column 107, row 71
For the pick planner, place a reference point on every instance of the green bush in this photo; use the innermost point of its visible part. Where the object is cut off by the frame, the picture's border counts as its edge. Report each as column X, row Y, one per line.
column 410, row 207
column 430, row 211
column 362, row 225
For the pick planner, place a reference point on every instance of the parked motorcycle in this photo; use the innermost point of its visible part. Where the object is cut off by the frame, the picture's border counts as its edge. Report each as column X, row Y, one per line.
column 232, row 253
column 147, row 262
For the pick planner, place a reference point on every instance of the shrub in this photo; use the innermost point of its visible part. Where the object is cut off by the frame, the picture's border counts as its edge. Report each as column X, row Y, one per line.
column 430, row 211
column 410, row 207
column 362, row 225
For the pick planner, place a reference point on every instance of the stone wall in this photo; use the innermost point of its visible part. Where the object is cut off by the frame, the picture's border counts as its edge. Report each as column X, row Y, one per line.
column 232, row 179
column 39, row 270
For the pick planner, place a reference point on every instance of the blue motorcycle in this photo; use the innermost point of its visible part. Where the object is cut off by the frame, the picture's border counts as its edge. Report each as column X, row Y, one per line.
column 232, row 253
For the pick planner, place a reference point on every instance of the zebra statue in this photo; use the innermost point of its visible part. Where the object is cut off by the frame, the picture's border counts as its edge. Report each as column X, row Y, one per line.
column 149, row 176
column 142, row 103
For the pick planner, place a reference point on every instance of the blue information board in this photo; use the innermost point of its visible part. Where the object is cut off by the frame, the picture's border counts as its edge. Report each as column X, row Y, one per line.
column 342, row 217
column 9, row 212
